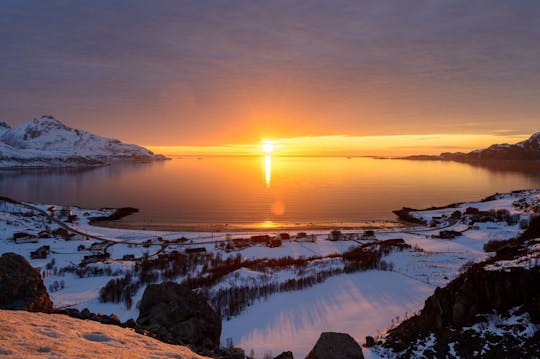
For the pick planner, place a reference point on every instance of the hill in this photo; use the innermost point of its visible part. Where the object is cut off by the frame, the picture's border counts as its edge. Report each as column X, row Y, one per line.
column 47, row 142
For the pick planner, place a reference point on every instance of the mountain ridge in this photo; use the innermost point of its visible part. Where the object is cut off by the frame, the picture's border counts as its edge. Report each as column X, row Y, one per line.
column 528, row 150
column 47, row 142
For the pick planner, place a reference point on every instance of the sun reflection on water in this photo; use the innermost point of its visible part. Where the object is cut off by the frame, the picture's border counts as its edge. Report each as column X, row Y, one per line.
column 267, row 170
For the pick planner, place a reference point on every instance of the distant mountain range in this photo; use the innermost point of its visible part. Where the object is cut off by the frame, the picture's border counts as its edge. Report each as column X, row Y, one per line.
column 46, row 142
column 524, row 150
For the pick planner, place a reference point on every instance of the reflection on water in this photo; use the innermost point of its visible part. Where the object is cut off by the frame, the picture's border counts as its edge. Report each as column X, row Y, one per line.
column 267, row 170
column 267, row 192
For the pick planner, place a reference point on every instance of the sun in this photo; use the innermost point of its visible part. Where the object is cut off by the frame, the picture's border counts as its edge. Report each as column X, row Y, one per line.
column 267, row 147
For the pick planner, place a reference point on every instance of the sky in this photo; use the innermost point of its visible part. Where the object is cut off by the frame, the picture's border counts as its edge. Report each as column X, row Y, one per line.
column 185, row 73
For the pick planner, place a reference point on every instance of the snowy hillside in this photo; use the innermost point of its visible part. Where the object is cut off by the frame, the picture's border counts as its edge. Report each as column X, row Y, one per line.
column 40, row 335
column 46, row 142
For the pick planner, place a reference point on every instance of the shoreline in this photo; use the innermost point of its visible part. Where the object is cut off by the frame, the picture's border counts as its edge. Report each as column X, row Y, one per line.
column 223, row 228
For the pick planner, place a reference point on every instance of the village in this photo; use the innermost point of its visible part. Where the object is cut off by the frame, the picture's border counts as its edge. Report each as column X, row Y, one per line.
column 106, row 269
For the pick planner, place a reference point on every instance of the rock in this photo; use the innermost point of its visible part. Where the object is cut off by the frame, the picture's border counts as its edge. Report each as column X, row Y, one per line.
column 370, row 342
column 285, row 355
column 130, row 323
column 231, row 353
column 21, row 286
column 183, row 314
column 336, row 346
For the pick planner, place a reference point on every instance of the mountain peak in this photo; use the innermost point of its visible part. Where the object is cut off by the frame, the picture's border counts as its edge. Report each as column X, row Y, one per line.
column 47, row 138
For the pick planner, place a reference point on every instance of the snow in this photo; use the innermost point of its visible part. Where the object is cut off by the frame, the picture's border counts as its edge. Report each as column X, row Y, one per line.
column 39, row 335
column 355, row 303
column 360, row 303
column 46, row 142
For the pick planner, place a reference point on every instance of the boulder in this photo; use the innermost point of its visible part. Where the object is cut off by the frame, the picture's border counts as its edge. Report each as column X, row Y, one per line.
column 370, row 342
column 285, row 355
column 336, row 346
column 172, row 310
column 21, row 286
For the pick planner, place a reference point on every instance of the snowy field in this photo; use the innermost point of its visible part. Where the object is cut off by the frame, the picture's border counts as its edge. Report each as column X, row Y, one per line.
column 360, row 303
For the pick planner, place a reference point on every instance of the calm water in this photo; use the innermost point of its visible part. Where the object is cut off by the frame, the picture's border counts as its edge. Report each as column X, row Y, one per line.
column 203, row 193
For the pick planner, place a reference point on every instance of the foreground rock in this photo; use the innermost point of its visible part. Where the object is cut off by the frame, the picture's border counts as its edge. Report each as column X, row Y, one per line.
column 173, row 312
column 336, row 346
column 493, row 308
column 285, row 355
column 21, row 286
column 39, row 335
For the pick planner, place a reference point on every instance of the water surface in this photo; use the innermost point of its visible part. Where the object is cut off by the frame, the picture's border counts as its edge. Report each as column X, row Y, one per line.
column 264, row 192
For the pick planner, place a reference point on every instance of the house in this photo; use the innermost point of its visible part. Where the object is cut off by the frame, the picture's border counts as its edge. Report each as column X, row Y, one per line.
column 368, row 235
column 335, row 235
column 94, row 258
column 44, row 234
column 284, row 236
column 72, row 218
column 261, row 238
column 60, row 232
column 273, row 243
column 40, row 253
column 65, row 212
column 449, row 234
column 23, row 237
column 195, row 250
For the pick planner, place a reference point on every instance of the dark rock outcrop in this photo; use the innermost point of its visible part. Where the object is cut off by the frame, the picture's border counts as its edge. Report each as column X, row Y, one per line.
column 336, row 346
column 285, row 355
column 528, row 150
column 173, row 312
column 482, row 290
column 21, row 286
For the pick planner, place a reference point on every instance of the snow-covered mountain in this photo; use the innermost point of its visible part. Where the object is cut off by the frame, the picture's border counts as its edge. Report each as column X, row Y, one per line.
column 46, row 142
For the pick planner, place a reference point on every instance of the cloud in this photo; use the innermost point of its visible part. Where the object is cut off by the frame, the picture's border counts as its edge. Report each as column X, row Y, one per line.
column 311, row 67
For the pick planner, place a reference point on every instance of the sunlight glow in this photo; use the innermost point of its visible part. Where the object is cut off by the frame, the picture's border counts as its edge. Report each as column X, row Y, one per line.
column 267, row 170
column 268, row 147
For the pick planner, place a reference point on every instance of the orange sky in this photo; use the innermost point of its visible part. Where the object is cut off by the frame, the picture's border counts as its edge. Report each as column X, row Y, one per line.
column 398, row 145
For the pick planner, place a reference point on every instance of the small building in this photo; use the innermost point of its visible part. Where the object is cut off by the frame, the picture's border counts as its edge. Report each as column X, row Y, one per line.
column 72, row 218
column 273, row 243
column 335, row 235
column 195, row 250
column 40, row 253
column 60, row 232
column 94, row 258
column 260, row 238
column 65, row 212
column 23, row 237
column 369, row 234
column 44, row 234
column 81, row 247
column 449, row 234
column 284, row 236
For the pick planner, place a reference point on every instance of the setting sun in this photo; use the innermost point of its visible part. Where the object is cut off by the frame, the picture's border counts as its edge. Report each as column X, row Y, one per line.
column 268, row 147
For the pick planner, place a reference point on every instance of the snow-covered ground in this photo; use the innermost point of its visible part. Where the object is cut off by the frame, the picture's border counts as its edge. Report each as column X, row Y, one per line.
column 355, row 303
column 39, row 335
column 360, row 303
